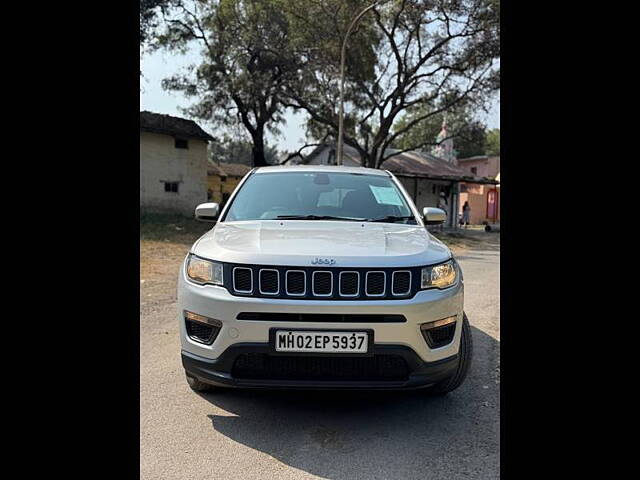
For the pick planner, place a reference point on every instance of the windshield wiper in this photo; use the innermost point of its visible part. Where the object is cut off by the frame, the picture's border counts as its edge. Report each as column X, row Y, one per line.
column 391, row 218
column 318, row 217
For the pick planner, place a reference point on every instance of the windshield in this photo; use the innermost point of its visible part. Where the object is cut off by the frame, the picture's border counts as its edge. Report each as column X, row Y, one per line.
column 320, row 196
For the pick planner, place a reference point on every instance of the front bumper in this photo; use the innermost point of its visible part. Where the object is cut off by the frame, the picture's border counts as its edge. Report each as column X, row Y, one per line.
column 218, row 372
column 214, row 363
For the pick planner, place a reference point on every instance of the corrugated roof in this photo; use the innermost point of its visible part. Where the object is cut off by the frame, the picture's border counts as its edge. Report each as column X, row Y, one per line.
column 421, row 164
column 174, row 126
column 414, row 164
column 478, row 157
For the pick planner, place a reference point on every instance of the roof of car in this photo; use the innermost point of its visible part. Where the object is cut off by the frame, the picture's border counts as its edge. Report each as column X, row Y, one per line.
column 321, row 168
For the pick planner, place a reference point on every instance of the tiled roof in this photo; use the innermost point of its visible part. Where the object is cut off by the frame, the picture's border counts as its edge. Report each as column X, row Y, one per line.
column 174, row 126
column 227, row 169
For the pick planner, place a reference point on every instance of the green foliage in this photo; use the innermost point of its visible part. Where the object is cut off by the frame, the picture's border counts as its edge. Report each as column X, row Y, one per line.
column 414, row 61
column 232, row 150
column 471, row 140
column 469, row 135
column 493, row 142
column 149, row 17
column 246, row 59
column 407, row 63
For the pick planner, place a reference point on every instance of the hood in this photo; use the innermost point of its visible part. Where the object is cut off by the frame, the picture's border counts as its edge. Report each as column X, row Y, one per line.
column 299, row 243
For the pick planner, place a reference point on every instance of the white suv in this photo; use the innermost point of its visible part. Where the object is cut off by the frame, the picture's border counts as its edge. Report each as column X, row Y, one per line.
column 322, row 277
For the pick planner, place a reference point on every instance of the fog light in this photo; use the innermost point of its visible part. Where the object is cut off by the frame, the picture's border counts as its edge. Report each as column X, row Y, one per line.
column 196, row 318
column 438, row 323
column 200, row 328
column 440, row 332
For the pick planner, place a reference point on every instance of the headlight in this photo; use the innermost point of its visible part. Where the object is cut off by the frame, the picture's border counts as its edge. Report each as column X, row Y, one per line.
column 440, row 276
column 203, row 271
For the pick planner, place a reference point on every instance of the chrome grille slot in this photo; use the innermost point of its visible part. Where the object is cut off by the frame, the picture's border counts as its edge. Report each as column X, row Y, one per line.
column 375, row 283
column 269, row 281
column 322, row 283
column 296, row 282
column 401, row 282
column 243, row 280
column 349, row 284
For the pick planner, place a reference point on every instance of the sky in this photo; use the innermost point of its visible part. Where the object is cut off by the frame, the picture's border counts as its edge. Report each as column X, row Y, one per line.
column 153, row 98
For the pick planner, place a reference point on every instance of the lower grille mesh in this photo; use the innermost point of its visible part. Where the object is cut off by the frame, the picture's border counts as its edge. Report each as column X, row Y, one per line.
column 201, row 332
column 440, row 336
column 260, row 366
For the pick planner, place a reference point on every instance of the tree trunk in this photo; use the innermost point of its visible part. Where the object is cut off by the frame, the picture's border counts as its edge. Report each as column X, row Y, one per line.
column 369, row 160
column 259, row 159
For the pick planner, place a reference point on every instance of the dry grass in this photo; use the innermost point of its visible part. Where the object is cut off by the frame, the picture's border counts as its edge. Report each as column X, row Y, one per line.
column 164, row 242
column 462, row 240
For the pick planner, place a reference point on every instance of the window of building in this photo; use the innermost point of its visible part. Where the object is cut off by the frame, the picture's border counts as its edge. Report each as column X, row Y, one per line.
column 474, row 170
column 171, row 187
column 182, row 143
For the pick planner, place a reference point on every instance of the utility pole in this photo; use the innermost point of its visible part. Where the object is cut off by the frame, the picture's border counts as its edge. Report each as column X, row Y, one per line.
column 341, row 113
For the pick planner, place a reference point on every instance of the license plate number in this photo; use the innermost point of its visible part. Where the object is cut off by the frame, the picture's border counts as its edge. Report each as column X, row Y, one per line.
column 322, row 342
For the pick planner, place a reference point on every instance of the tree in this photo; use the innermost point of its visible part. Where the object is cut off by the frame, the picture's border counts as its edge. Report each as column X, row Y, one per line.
column 149, row 16
column 468, row 134
column 471, row 140
column 246, row 58
column 233, row 150
column 493, row 142
column 430, row 57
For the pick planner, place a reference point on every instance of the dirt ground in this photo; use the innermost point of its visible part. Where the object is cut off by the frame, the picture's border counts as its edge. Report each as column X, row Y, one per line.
column 164, row 242
column 298, row 435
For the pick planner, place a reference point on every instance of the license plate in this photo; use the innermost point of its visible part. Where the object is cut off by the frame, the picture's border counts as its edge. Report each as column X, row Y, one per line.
column 321, row 342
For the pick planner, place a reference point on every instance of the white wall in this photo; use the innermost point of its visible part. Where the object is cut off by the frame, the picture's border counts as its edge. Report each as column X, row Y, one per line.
column 160, row 161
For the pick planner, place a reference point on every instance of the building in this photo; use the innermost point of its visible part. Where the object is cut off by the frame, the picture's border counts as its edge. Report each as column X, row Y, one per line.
column 484, row 200
column 173, row 164
column 424, row 176
column 222, row 179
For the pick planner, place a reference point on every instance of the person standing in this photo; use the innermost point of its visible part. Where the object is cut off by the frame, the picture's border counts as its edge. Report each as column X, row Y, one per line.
column 466, row 214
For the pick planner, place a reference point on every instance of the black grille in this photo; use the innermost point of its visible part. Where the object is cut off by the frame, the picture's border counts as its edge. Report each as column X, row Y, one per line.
column 260, row 366
column 242, row 279
column 269, row 281
column 375, row 283
column 440, row 336
column 309, row 283
column 296, row 283
column 322, row 283
column 349, row 283
column 201, row 332
column 401, row 283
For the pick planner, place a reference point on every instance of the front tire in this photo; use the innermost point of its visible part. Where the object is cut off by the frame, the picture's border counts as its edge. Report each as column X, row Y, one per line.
column 198, row 386
column 465, row 355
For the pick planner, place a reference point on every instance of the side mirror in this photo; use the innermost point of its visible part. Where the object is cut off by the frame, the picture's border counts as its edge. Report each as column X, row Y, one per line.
column 207, row 212
column 434, row 216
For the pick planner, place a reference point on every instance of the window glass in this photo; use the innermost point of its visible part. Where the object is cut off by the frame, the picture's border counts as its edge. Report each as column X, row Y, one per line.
column 268, row 196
